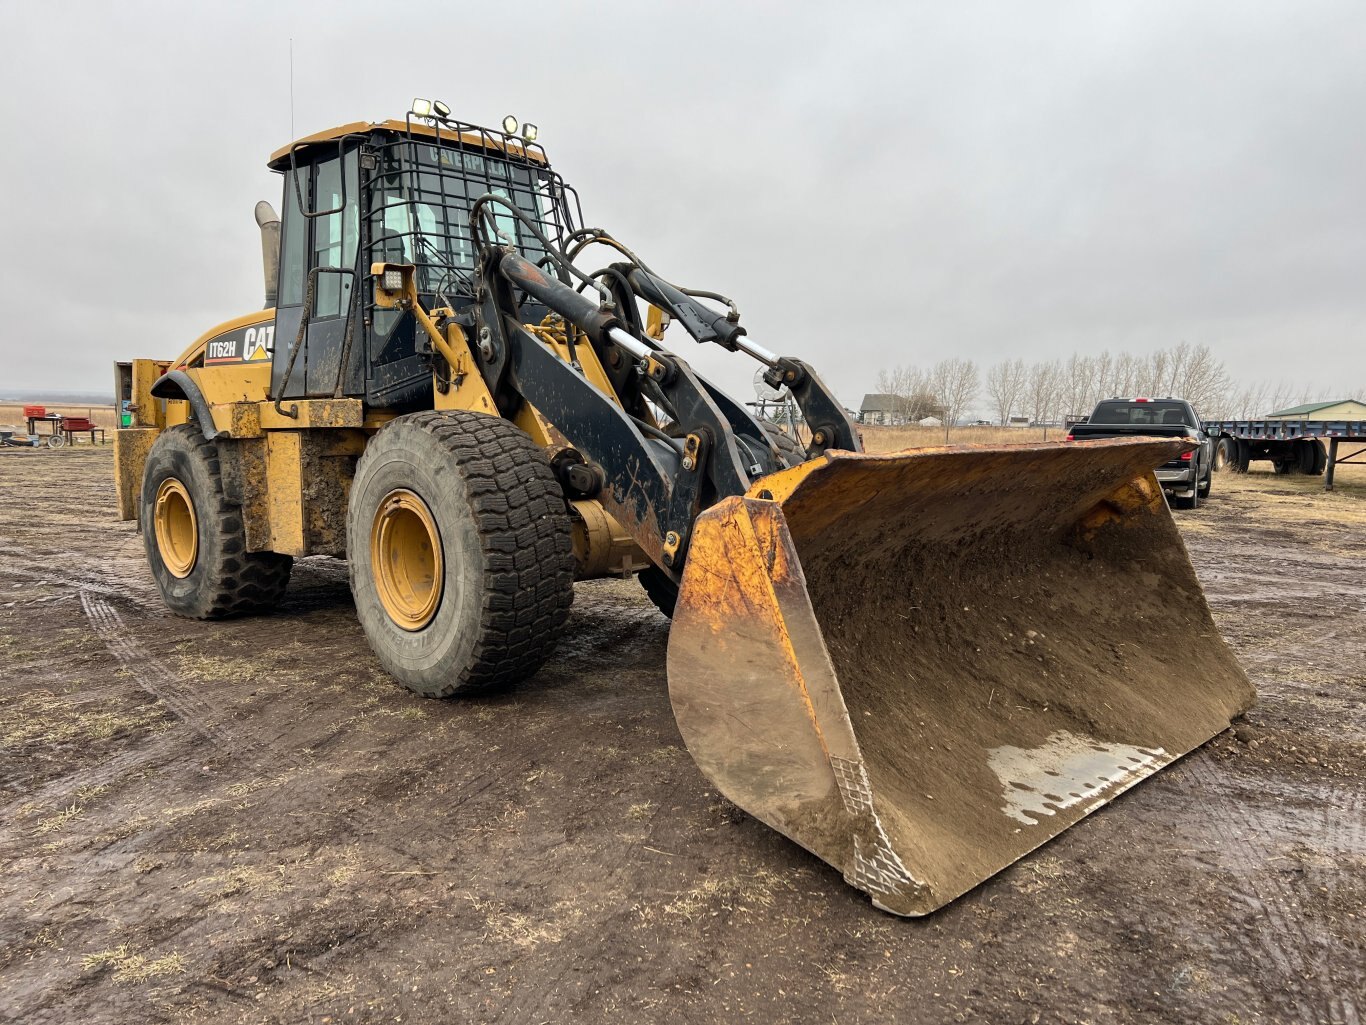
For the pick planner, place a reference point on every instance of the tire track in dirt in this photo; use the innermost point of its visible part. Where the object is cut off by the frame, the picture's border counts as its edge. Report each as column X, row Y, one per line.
column 153, row 676
column 1284, row 939
column 203, row 719
column 78, row 582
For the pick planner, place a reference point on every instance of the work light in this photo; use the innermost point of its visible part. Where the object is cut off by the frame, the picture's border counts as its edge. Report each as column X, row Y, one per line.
column 510, row 125
column 529, row 132
column 422, row 108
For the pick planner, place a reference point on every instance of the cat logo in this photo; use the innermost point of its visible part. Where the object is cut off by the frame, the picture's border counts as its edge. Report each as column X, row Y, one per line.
column 258, row 343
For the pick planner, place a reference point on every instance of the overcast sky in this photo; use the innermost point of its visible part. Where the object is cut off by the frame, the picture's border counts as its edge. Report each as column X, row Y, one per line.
column 874, row 183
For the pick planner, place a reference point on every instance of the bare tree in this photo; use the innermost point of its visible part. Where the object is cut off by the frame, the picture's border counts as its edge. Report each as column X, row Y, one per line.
column 1280, row 397
column 1201, row 379
column 1078, row 391
column 1045, row 382
column 1159, row 369
column 910, row 393
column 1102, row 379
column 1006, row 387
column 954, row 382
column 1129, row 375
column 1052, row 389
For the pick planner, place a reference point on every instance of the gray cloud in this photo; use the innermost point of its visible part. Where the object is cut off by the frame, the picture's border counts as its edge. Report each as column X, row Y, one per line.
column 875, row 183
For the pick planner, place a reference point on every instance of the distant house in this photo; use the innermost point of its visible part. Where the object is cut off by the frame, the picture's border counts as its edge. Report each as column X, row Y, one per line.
column 894, row 410
column 1017, row 421
column 1342, row 409
column 882, row 409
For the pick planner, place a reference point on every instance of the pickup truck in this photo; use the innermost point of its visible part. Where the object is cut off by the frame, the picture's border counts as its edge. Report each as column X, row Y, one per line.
column 1186, row 478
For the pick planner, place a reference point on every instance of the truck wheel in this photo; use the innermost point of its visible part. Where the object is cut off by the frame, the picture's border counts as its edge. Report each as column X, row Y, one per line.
column 1286, row 465
column 1312, row 457
column 1243, row 456
column 195, row 539
column 1225, row 452
column 459, row 541
column 1306, row 450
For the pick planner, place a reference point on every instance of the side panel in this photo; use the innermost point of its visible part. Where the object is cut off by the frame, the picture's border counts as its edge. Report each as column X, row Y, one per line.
column 284, row 492
column 292, row 488
column 131, row 445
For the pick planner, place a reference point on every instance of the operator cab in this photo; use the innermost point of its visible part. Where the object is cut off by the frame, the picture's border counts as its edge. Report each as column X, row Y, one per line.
column 395, row 192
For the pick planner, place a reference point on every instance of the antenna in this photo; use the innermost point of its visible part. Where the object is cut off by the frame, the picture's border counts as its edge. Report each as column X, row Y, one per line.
column 291, row 87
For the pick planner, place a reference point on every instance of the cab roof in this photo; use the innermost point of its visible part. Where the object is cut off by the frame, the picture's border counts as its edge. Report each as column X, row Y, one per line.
column 467, row 134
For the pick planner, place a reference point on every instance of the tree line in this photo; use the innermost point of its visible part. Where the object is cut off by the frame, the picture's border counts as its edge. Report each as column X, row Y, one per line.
column 1050, row 391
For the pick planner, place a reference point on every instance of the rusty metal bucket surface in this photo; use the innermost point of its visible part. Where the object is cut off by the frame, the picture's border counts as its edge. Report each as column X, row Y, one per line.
column 921, row 666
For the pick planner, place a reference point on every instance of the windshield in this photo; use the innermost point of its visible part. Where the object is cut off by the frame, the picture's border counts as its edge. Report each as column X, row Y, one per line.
column 1173, row 414
column 420, row 208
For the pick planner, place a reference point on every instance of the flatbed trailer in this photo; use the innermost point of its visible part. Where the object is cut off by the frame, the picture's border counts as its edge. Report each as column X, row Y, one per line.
column 1292, row 446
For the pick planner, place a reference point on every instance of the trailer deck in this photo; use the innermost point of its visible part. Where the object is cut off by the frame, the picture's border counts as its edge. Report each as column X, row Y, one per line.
column 1276, row 440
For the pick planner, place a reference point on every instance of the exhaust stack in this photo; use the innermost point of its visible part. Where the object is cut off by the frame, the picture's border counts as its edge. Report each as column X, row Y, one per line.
column 269, row 223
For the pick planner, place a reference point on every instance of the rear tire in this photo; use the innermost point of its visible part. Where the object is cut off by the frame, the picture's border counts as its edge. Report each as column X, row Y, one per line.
column 790, row 451
column 1309, row 451
column 1313, row 457
column 195, row 539
column 461, row 558
column 1242, row 456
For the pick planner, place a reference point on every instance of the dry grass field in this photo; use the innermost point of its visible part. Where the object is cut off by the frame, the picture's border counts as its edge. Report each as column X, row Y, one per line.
column 892, row 439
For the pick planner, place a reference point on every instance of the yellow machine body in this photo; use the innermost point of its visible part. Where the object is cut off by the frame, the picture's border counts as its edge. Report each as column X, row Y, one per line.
column 920, row 666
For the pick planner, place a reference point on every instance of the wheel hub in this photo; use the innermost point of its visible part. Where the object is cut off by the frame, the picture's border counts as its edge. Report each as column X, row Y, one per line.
column 176, row 528
column 405, row 553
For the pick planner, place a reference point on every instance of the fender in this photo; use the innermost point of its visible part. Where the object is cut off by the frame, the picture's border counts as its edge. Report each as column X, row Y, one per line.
column 176, row 384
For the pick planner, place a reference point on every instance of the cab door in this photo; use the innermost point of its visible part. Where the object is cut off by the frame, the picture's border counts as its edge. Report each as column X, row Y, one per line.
column 320, row 239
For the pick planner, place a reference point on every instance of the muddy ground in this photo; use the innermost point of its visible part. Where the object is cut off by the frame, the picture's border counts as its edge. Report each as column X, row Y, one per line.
column 248, row 822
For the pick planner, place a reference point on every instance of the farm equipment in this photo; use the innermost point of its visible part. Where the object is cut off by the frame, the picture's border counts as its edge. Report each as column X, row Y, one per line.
column 919, row 666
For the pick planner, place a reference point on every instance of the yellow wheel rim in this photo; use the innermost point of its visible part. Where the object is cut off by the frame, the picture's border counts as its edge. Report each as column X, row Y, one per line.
column 405, row 552
column 177, row 529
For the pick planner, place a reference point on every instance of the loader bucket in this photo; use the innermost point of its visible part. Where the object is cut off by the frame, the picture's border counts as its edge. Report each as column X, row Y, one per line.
column 921, row 666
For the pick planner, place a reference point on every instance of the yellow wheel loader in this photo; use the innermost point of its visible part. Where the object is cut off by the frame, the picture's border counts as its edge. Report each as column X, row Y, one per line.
column 919, row 666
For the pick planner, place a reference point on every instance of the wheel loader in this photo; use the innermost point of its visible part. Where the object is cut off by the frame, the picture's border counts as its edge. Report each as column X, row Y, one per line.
column 919, row 666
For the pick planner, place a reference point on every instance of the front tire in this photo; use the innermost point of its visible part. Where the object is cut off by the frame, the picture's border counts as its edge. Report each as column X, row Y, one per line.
column 460, row 550
column 195, row 539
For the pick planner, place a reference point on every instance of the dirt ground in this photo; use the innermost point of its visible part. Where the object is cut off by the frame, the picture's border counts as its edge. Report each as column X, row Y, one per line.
column 249, row 822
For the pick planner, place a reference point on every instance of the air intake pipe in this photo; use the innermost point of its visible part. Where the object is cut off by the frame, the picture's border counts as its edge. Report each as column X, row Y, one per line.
column 269, row 223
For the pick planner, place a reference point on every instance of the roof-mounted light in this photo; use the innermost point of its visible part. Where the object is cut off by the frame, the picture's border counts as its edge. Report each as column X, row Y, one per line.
column 441, row 109
column 529, row 132
column 510, row 125
column 422, row 108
